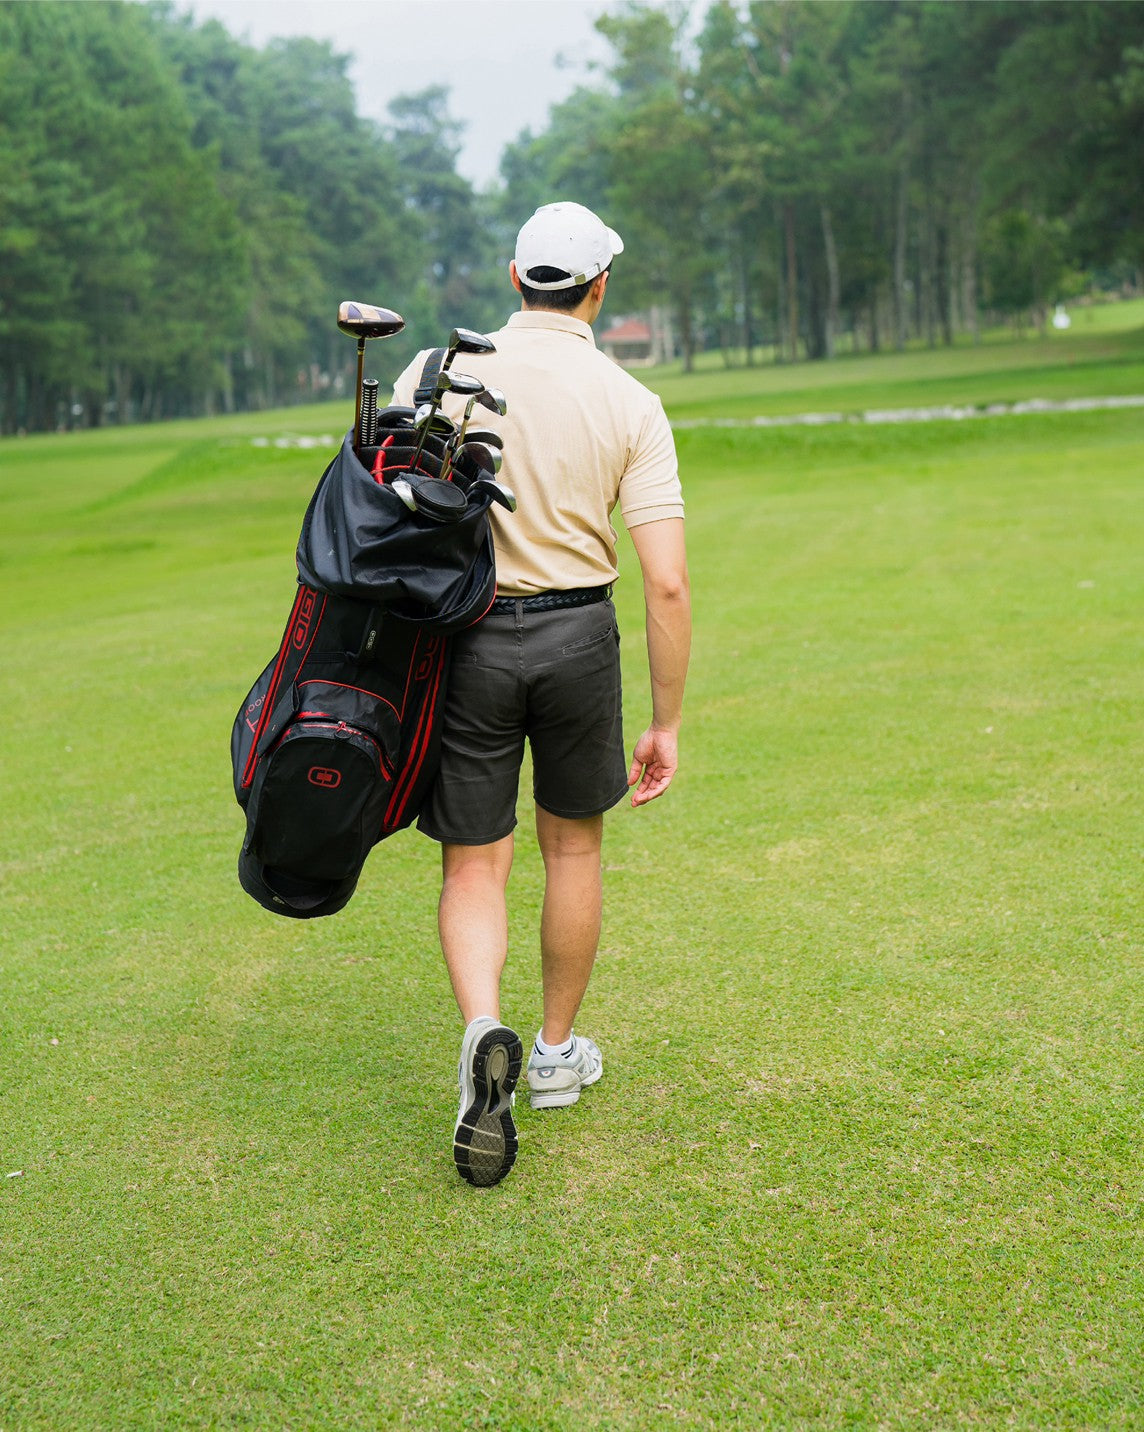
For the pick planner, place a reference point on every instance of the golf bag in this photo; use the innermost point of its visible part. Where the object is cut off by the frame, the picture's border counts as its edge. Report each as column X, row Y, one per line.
column 336, row 743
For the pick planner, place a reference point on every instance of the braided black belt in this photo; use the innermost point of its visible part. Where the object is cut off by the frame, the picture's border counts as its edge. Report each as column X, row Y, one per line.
column 553, row 601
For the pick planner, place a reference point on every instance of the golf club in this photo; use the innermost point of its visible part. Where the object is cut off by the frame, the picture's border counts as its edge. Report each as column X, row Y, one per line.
column 491, row 398
column 500, row 493
column 362, row 321
column 368, row 412
column 488, row 436
column 487, row 459
column 405, row 492
column 446, row 383
column 465, row 340
column 436, row 420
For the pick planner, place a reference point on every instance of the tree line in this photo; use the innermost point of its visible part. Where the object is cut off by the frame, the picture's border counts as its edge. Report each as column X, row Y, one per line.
column 181, row 212
column 802, row 171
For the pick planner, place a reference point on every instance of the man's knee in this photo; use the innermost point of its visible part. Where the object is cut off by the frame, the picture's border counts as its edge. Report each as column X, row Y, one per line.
column 561, row 838
column 477, row 864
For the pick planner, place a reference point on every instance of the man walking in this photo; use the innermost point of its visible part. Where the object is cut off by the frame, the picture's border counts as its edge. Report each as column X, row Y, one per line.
column 580, row 435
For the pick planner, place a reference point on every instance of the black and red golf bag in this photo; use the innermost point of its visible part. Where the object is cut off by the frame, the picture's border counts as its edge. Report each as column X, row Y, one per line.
column 336, row 744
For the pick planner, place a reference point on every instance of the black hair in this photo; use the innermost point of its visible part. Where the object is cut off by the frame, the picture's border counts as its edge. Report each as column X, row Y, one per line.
column 560, row 299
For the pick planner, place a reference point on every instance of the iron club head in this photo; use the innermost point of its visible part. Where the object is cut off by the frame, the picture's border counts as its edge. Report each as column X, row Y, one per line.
column 404, row 491
column 485, row 435
column 494, row 400
column 488, row 459
column 465, row 340
column 461, row 383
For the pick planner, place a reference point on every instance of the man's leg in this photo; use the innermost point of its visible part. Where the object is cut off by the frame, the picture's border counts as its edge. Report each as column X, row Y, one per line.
column 570, row 924
column 472, row 918
column 473, row 922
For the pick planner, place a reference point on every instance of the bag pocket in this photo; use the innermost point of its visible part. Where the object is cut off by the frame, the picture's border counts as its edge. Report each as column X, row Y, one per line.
column 316, row 806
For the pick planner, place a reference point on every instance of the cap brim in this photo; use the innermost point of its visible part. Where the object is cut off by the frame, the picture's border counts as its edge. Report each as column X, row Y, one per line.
column 616, row 242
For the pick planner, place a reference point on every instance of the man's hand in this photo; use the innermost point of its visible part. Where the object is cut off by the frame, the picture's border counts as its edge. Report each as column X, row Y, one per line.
column 654, row 762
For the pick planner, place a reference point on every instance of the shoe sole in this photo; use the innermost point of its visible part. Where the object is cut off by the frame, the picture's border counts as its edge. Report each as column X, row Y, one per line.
column 484, row 1142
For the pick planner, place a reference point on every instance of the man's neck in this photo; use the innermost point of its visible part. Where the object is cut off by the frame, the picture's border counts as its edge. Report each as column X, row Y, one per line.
column 586, row 312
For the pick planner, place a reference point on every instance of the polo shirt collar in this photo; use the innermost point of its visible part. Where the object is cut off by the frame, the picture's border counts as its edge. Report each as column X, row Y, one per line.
column 561, row 322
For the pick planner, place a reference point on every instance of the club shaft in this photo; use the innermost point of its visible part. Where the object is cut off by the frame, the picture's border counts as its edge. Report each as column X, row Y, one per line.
column 357, row 393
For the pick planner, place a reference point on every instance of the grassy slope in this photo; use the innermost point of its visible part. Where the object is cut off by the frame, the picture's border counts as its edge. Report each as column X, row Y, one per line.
column 866, row 1153
column 1102, row 355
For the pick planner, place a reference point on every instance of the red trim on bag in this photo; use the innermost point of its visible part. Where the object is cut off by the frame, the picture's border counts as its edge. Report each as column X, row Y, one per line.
column 413, row 662
column 289, row 639
column 345, row 686
column 294, row 733
column 484, row 614
column 420, row 749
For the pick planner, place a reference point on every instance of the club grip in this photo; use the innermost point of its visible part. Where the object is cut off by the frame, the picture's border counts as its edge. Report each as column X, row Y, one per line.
column 369, row 412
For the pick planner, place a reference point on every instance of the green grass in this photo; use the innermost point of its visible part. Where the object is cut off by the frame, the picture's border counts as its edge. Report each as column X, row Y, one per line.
column 866, row 1153
column 1102, row 355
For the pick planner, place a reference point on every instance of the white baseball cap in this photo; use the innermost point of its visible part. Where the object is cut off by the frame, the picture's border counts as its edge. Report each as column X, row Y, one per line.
column 567, row 237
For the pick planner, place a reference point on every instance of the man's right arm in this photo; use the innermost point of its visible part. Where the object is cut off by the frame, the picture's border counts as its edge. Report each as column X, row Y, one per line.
column 662, row 555
column 406, row 383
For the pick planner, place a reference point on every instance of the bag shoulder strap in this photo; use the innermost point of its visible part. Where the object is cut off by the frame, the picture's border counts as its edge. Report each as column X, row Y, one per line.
column 424, row 393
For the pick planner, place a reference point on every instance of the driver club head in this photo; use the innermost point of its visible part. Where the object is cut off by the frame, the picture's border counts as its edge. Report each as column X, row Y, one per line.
column 366, row 320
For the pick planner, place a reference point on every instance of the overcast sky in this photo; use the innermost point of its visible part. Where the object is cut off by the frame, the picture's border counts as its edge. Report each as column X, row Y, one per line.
column 505, row 61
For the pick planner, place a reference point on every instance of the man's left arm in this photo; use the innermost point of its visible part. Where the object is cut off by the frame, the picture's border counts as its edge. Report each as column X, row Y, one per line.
column 667, row 597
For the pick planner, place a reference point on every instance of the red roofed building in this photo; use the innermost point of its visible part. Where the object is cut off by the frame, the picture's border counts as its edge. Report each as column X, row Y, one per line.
column 629, row 342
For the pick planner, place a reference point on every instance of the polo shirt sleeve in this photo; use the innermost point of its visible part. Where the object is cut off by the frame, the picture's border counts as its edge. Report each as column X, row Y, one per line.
column 650, row 489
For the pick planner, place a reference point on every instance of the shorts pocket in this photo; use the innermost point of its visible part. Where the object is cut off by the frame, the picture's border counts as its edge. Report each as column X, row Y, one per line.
column 586, row 643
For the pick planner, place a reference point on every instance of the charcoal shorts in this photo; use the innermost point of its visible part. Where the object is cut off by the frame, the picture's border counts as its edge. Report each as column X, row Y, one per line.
column 552, row 677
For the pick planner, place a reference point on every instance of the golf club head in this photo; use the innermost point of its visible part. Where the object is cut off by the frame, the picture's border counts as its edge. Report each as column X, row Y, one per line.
column 461, row 383
column 485, row 435
column 365, row 320
column 493, row 399
column 500, row 493
column 405, row 492
column 465, row 340
column 488, row 459
column 438, row 426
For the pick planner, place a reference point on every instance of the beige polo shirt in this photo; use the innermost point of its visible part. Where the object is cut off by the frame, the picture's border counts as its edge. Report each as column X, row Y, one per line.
column 580, row 436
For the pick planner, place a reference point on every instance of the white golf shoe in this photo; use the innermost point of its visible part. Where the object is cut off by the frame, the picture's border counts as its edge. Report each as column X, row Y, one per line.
column 484, row 1138
column 555, row 1080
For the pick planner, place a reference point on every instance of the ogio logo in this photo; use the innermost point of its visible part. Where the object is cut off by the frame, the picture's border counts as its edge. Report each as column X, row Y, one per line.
column 428, row 662
column 302, row 626
column 324, row 777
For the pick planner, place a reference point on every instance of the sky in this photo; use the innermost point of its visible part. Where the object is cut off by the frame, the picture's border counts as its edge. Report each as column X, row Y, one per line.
column 505, row 61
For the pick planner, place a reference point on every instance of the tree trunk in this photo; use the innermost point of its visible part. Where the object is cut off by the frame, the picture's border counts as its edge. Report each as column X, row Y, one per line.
column 943, row 274
column 780, row 307
column 832, row 284
column 900, row 236
column 792, row 281
column 969, row 262
column 928, row 265
column 745, row 278
column 8, row 402
column 686, row 335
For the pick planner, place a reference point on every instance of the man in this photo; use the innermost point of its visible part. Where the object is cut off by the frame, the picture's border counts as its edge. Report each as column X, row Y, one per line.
column 580, row 435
